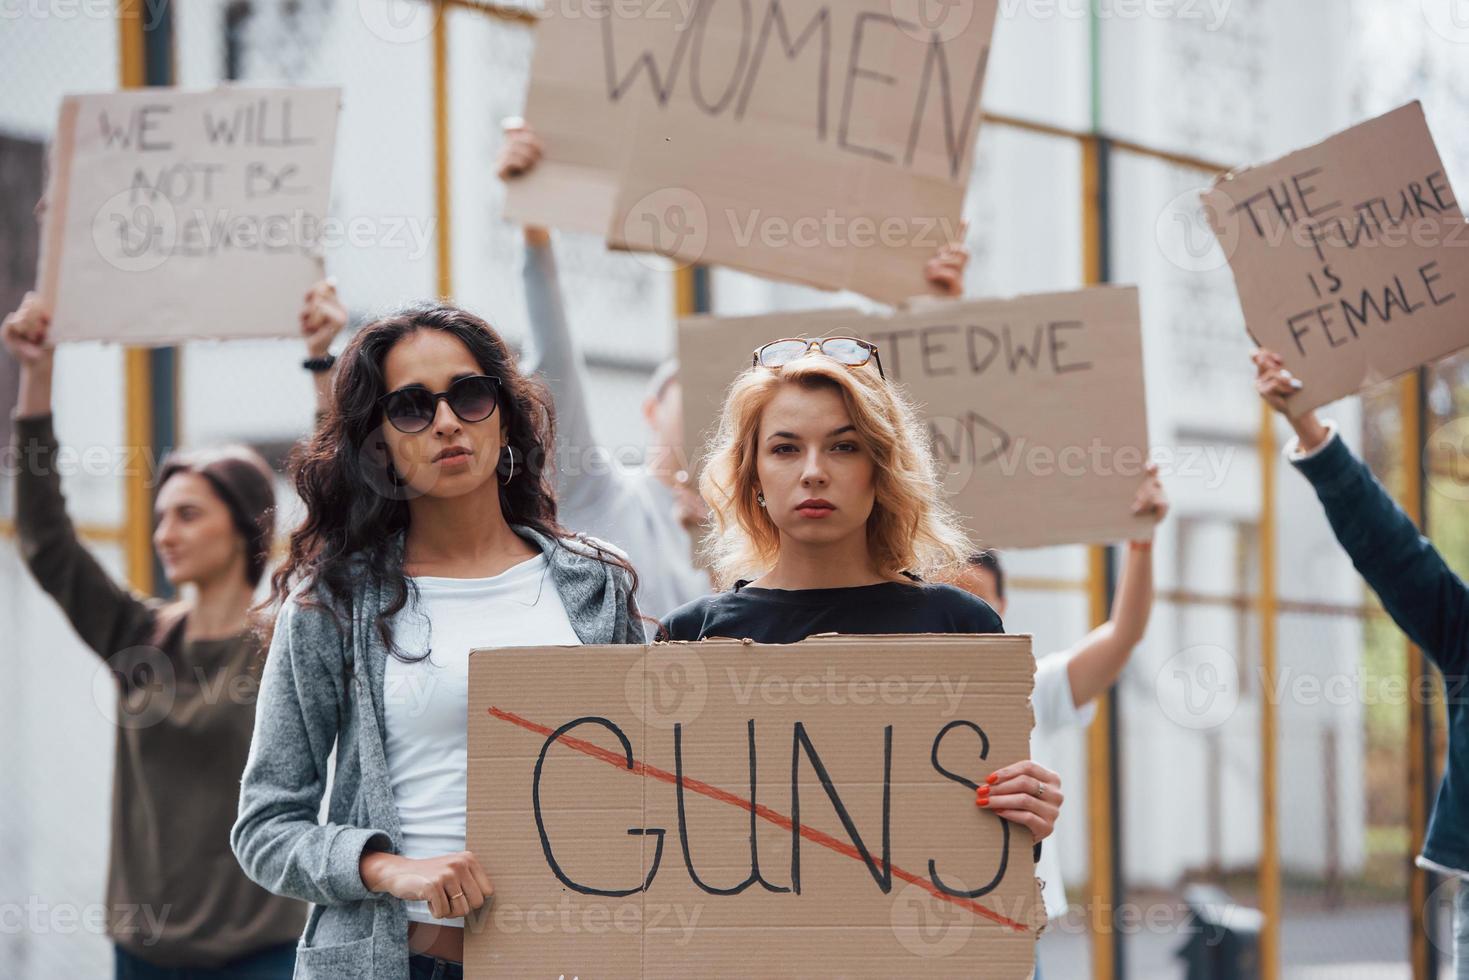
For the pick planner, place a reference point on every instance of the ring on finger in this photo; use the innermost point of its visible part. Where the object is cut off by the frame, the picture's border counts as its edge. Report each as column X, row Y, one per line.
column 1040, row 790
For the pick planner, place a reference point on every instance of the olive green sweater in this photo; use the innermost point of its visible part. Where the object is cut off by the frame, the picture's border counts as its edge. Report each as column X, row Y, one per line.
column 176, row 896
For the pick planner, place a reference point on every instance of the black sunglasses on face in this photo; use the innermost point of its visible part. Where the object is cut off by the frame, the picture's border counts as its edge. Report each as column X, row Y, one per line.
column 412, row 409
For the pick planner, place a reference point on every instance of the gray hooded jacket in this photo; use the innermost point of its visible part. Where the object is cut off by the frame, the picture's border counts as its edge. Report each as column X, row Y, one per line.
column 320, row 690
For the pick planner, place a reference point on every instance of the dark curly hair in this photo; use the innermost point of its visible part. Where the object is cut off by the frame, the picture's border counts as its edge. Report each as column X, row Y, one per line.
column 355, row 502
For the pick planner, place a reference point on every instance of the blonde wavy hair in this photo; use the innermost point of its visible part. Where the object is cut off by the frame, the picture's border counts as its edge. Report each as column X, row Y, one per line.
column 911, row 529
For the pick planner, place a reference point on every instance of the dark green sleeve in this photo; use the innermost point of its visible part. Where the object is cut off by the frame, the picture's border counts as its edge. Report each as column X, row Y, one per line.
column 108, row 617
column 1422, row 594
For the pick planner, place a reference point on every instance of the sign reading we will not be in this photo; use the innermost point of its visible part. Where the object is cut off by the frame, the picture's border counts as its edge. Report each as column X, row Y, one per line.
column 722, row 809
column 827, row 142
column 174, row 215
column 1351, row 257
column 1035, row 405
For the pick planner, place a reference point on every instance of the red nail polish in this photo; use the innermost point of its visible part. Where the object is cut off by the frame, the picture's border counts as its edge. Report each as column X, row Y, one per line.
column 992, row 778
column 984, row 802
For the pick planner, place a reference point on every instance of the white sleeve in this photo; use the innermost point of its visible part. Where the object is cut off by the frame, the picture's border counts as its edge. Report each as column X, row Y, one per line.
column 1293, row 448
column 1055, row 707
column 586, row 474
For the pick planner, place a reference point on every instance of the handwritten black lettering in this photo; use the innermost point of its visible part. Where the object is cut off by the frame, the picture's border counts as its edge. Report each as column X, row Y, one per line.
column 550, row 856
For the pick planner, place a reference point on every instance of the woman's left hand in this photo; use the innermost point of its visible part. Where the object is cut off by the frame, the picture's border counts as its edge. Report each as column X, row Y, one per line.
column 1025, row 793
column 945, row 271
column 322, row 317
column 1151, row 500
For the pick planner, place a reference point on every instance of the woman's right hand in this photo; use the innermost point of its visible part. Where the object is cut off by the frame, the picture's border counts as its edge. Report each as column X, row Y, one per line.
column 453, row 884
column 24, row 333
column 1276, row 386
column 520, row 153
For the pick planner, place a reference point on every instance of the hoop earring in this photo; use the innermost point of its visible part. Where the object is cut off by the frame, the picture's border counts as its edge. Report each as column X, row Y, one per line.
column 510, row 451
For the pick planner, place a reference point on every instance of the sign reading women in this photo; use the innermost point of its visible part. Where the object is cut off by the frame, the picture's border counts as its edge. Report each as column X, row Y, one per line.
column 819, row 141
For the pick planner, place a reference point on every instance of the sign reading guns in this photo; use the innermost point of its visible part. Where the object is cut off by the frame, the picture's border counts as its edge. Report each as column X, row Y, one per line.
column 1351, row 257
column 819, row 141
column 731, row 810
column 1035, row 405
column 173, row 214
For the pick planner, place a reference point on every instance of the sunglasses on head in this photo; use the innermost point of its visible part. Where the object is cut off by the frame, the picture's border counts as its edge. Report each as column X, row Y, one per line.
column 412, row 409
column 844, row 350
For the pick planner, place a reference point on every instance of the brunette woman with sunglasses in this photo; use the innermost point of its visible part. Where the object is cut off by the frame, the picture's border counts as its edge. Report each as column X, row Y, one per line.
column 430, row 530
column 178, row 904
column 828, row 518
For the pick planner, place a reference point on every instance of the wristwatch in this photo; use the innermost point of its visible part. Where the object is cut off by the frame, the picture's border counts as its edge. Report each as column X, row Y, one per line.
column 317, row 365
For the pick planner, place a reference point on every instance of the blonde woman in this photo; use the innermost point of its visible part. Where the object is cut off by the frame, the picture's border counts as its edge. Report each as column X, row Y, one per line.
column 828, row 519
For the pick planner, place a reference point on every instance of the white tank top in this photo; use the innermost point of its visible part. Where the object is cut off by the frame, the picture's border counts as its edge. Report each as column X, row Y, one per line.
column 426, row 704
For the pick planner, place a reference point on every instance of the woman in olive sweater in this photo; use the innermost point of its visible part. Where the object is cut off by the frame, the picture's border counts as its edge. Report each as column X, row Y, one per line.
column 178, row 904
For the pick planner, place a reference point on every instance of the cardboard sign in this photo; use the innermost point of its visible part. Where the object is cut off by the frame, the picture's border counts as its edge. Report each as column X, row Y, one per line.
column 1351, row 257
column 174, row 215
column 816, row 141
column 1035, row 406
column 721, row 809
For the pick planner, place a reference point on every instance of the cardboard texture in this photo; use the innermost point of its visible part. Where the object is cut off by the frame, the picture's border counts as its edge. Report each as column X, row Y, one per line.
column 177, row 215
column 1036, row 405
column 1351, row 257
column 631, row 768
column 807, row 140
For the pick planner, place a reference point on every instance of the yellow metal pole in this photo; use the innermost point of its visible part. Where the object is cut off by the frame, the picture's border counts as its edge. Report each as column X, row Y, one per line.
column 1099, row 803
column 1409, row 395
column 685, row 302
column 1099, row 754
column 137, row 372
column 1269, row 833
column 443, row 197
